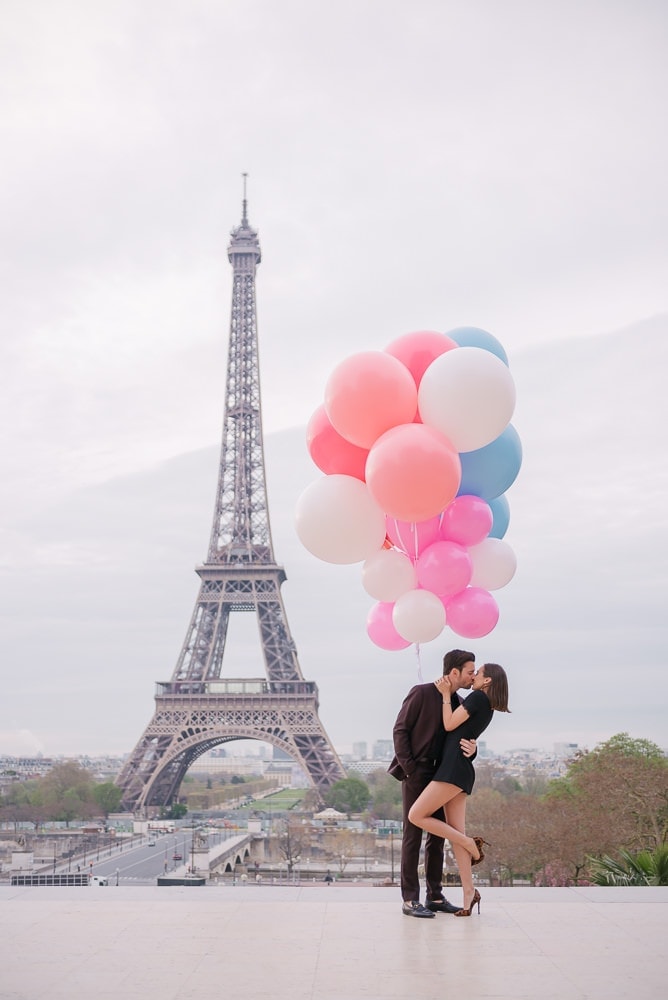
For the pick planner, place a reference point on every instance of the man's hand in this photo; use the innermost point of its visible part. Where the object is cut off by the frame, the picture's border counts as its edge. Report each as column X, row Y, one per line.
column 468, row 747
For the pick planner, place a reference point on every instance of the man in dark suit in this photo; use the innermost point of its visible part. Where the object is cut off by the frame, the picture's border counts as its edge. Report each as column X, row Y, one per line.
column 419, row 736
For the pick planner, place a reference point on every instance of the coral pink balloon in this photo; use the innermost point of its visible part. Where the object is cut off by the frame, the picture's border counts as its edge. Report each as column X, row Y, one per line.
column 367, row 394
column 444, row 568
column 417, row 350
column 410, row 537
column 331, row 452
column 413, row 472
column 472, row 613
column 467, row 520
column 380, row 629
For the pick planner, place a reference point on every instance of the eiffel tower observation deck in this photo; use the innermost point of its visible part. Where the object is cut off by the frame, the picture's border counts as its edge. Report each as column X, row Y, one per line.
column 200, row 708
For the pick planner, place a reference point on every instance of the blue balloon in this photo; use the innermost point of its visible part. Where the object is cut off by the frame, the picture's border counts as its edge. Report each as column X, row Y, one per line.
column 501, row 512
column 472, row 336
column 488, row 472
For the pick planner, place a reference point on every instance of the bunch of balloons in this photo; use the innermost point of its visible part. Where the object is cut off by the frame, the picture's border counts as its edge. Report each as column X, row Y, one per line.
column 418, row 451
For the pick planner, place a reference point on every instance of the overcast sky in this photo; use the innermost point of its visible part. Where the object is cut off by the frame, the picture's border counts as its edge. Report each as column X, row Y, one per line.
column 419, row 166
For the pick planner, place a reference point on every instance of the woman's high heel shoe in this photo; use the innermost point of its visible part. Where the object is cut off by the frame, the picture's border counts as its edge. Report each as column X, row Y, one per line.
column 479, row 843
column 467, row 913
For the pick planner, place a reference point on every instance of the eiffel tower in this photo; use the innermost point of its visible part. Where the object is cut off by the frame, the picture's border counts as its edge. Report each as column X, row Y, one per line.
column 199, row 708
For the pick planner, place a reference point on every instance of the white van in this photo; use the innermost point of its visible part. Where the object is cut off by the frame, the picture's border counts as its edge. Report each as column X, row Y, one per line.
column 98, row 880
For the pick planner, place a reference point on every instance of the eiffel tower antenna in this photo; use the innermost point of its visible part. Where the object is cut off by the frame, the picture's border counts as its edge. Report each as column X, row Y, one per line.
column 244, row 215
column 199, row 708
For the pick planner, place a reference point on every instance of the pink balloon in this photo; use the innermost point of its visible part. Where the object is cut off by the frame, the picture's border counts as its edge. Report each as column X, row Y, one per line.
column 331, row 452
column 417, row 350
column 467, row 520
column 410, row 537
column 472, row 612
column 380, row 628
column 367, row 394
column 444, row 568
column 413, row 472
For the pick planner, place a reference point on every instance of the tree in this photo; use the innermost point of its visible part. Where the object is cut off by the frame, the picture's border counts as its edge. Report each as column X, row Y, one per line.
column 349, row 795
column 624, row 782
column 385, row 796
column 292, row 841
column 108, row 796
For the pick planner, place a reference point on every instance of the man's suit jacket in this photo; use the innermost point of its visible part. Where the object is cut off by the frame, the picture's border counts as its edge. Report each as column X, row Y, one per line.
column 418, row 731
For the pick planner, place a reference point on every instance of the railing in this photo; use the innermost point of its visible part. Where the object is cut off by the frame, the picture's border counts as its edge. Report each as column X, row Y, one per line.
column 235, row 686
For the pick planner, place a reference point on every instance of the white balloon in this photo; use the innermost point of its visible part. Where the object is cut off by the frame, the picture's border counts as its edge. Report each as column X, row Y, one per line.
column 469, row 395
column 338, row 520
column 494, row 564
column 419, row 616
column 387, row 574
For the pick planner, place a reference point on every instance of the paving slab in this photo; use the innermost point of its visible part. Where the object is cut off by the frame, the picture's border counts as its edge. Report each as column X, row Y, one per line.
column 338, row 942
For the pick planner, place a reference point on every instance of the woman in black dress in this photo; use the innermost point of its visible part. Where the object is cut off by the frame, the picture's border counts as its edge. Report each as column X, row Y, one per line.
column 455, row 776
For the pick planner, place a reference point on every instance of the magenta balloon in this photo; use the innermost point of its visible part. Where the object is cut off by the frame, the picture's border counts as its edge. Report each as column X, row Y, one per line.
column 380, row 628
column 444, row 568
column 467, row 520
column 417, row 350
column 368, row 393
column 331, row 452
column 413, row 472
column 411, row 537
column 472, row 613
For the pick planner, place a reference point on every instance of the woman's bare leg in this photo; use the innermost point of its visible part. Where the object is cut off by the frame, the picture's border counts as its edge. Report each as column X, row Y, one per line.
column 435, row 795
column 456, row 817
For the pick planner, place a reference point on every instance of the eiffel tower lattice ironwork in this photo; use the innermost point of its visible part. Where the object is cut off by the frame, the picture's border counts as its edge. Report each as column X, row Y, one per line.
column 199, row 708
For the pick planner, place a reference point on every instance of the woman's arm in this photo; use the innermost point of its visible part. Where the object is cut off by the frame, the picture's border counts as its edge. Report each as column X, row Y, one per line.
column 451, row 720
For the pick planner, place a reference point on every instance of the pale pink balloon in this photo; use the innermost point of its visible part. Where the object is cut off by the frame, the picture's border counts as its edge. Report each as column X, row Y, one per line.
column 368, row 393
column 472, row 613
column 419, row 616
column 387, row 574
column 381, row 630
column 494, row 564
column 413, row 472
column 411, row 537
column 331, row 452
column 469, row 395
column 444, row 568
column 417, row 350
column 467, row 520
column 338, row 520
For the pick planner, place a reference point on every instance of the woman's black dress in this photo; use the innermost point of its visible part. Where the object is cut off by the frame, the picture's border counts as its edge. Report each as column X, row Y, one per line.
column 455, row 768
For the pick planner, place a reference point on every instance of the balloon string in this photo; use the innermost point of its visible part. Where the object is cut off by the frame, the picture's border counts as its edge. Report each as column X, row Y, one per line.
column 415, row 541
column 419, row 664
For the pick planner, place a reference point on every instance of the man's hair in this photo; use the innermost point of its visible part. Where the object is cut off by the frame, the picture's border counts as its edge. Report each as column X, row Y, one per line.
column 455, row 660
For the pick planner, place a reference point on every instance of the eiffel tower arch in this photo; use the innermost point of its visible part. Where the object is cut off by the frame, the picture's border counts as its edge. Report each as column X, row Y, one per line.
column 199, row 708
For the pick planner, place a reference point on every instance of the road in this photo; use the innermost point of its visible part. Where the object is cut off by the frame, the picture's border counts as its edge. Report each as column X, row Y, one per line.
column 141, row 863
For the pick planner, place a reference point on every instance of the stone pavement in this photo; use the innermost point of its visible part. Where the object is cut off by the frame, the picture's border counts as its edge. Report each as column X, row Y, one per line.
column 340, row 942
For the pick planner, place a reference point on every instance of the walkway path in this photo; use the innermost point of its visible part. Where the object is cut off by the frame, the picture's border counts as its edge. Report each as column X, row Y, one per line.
column 328, row 943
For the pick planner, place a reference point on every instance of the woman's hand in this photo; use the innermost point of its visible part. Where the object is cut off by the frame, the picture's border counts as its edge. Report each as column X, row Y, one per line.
column 443, row 685
column 468, row 747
